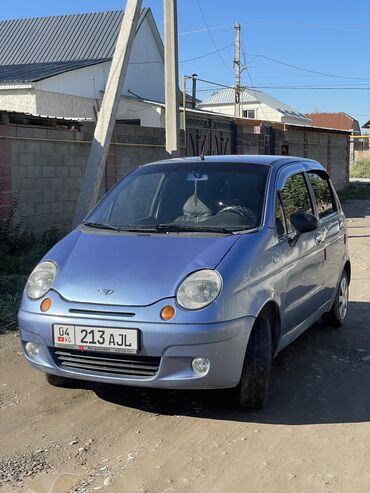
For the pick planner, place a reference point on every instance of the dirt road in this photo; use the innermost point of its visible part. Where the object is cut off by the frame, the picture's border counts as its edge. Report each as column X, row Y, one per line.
column 314, row 435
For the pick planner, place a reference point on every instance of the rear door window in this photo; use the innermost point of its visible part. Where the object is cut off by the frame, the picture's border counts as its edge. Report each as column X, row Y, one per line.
column 323, row 194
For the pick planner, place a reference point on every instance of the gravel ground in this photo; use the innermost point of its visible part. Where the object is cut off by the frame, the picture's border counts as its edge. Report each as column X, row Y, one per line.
column 313, row 436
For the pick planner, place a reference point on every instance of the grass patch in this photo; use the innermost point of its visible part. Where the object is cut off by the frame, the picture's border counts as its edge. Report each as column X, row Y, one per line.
column 360, row 169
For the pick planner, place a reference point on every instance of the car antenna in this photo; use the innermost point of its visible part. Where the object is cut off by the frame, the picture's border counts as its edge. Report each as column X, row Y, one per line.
column 203, row 148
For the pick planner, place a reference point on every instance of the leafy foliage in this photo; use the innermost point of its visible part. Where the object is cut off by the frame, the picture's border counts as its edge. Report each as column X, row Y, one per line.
column 361, row 169
column 19, row 253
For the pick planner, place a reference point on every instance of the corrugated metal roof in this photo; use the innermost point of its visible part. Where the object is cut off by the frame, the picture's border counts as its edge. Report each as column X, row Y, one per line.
column 227, row 96
column 46, row 117
column 60, row 38
column 39, row 71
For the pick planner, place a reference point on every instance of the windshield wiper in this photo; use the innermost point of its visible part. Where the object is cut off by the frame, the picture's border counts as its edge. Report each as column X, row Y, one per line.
column 193, row 228
column 135, row 229
column 165, row 228
column 100, row 226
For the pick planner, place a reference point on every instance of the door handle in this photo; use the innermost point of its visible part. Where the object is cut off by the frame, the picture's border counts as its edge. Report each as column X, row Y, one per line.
column 320, row 236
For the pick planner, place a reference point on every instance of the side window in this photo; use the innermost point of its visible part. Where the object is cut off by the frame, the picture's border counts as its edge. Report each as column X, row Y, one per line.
column 279, row 218
column 323, row 195
column 295, row 198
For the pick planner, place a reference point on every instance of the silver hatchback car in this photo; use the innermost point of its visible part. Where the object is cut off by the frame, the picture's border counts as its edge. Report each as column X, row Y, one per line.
column 191, row 273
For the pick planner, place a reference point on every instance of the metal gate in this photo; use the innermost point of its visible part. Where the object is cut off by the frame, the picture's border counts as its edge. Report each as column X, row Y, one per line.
column 268, row 133
column 214, row 136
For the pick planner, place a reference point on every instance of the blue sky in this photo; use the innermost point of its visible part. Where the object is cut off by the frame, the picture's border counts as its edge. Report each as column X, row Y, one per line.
column 321, row 35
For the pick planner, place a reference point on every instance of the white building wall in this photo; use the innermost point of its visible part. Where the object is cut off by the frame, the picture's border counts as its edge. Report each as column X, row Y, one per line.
column 88, row 82
column 263, row 112
column 21, row 100
column 64, row 105
column 149, row 115
column 145, row 74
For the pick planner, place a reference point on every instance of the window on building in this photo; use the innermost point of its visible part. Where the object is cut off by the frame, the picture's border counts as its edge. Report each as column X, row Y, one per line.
column 252, row 114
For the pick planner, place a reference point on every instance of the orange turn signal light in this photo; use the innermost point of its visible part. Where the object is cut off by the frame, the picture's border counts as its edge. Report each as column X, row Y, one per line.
column 45, row 304
column 167, row 312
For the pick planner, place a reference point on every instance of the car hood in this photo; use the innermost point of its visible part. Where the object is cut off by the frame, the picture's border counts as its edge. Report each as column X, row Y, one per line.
column 137, row 269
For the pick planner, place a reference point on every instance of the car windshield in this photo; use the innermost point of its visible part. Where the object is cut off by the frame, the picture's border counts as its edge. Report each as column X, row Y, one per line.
column 193, row 196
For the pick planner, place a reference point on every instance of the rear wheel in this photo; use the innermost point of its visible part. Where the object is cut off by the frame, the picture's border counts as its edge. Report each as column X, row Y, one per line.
column 57, row 381
column 255, row 380
column 336, row 315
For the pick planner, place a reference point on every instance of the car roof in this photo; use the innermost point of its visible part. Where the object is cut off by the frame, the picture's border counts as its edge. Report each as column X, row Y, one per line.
column 266, row 160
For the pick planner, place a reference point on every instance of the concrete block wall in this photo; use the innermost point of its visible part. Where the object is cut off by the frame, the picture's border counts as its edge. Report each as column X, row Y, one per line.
column 328, row 148
column 247, row 141
column 6, row 195
column 338, row 159
column 46, row 167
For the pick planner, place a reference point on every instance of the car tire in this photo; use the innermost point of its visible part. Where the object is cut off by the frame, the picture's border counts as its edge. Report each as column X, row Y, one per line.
column 253, row 387
column 336, row 315
column 57, row 381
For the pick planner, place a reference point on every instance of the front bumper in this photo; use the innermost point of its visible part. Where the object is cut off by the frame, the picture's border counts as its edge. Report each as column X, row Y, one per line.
column 223, row 343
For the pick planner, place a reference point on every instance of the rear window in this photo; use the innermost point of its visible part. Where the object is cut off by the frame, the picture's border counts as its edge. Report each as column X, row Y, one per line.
column 323, row 194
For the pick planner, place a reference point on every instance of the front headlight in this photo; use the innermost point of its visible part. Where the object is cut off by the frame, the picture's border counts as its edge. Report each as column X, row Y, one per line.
column 41, row 280
column 199, row 289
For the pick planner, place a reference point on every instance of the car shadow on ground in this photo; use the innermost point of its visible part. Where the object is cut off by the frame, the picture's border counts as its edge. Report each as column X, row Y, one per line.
column 323, row 377
column 356, row 209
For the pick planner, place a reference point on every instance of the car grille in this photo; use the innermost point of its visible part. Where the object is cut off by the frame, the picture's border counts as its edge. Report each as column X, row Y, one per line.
column 112, row 363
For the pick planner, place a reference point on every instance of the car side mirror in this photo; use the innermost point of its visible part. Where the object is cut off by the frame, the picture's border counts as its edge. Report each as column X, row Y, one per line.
column 303, row 223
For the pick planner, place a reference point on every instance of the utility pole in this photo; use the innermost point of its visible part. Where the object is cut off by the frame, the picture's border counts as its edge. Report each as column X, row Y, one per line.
column 107, row 116
column 194, row 91
column 171, row 70
column 237, row 72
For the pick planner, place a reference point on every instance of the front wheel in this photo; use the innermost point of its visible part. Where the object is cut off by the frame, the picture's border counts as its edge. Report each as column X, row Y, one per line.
column 255, row 380
column 336, row 315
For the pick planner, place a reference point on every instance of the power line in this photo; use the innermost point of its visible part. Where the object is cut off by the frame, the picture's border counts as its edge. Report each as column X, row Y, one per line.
column 212, row 38
column 269, row 25
column 308, row 70
column 186, row 60
column 206, row 55
column 215, row 83
column 324, row 88
column 250, row 79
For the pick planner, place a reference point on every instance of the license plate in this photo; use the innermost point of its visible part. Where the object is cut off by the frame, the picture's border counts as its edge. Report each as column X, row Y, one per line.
column 87, row 338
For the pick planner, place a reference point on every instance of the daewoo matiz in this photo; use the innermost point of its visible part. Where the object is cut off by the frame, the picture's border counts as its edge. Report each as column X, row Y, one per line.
column 191, row 274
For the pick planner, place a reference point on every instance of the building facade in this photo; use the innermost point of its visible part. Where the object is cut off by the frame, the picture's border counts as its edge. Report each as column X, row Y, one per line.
column 59, row 66
column 256, row 105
